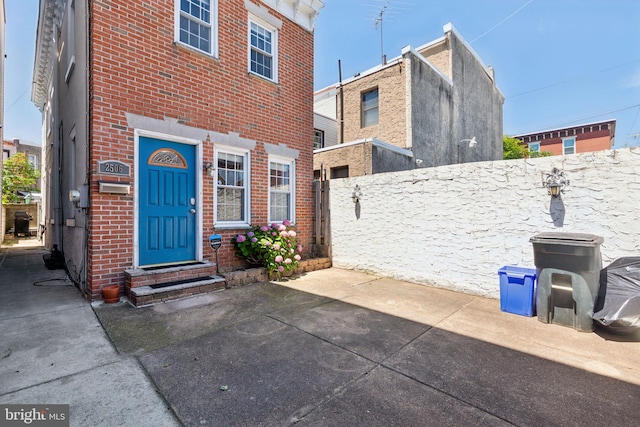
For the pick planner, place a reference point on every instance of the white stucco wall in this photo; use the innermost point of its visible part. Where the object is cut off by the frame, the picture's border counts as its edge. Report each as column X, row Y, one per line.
column 454, row 226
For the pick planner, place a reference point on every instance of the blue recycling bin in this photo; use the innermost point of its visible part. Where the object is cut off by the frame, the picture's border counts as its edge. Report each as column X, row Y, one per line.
column 517, row 290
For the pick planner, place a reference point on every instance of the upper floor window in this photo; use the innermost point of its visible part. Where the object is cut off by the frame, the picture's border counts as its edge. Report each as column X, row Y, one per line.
column 263, row 43
column 569, row 145
column 33, row 160
column 196, row 24
column 370, row 108
column 232, row 187
column 281, row 189
column 318, row 139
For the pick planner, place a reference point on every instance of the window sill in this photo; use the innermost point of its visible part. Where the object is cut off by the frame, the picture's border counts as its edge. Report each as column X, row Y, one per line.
column 262, row 78
column 190, row 48
column 235, row 226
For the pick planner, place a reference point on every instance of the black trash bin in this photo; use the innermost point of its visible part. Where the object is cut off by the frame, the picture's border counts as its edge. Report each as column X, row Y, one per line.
column 568, row 268
column 21, row 226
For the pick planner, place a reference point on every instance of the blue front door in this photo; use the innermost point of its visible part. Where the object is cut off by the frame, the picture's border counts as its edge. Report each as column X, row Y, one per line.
column 167, row 202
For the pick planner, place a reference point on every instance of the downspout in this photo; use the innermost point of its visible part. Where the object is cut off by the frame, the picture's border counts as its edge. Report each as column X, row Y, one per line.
column 341, row 103
column 87, row 182
column 55, row 141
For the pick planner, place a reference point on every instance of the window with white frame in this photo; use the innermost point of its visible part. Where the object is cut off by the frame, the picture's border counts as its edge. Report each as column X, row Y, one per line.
column 196, row 24
column 232, row 187
column 33, row 161
column 318, row 139
column 263, row 47
column 534, row 147
column 569, row 145
column 370, row 108
column 281, row 189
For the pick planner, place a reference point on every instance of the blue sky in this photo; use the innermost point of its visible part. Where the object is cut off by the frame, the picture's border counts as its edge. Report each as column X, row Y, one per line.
column 558, row 62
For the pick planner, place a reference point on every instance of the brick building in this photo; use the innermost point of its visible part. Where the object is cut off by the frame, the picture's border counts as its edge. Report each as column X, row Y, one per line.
column 573, row 139
column 166, row 122
column 419, row 109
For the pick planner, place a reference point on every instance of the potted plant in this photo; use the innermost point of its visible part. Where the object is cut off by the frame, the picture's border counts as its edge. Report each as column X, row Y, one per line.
column 111, row 293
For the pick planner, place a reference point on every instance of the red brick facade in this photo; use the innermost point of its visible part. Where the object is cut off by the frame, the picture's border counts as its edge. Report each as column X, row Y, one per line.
column 137, row 68
column 588, row 138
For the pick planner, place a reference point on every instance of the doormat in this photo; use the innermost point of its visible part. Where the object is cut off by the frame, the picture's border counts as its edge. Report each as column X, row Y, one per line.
column 162, row 267
column 179, row 282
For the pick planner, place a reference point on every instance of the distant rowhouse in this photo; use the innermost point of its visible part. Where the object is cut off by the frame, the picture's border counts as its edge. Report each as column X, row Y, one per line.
column 573, row 139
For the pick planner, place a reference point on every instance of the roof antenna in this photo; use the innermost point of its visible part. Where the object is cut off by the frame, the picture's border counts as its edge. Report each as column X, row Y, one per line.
column 378, row 21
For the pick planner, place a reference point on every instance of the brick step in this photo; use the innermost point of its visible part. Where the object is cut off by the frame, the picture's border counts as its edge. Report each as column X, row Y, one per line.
column 148, row 286
column 142, row 296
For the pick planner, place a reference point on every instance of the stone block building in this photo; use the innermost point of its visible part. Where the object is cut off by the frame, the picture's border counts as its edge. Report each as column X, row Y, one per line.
column 420, row 109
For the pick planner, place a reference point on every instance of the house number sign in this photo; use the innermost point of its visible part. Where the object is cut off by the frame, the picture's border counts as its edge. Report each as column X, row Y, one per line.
column 113, row 167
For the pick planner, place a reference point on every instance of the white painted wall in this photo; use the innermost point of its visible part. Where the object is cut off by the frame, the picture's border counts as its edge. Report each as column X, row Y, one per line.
column 455, row 226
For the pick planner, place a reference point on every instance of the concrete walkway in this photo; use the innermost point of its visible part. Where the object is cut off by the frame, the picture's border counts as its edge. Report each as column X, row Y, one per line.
column 332, row 347
column 53, row 350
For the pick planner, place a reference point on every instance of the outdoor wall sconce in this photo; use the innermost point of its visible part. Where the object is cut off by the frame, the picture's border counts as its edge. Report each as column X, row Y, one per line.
column 555, row 182
column 472, row 142
column 356, row 194
column 211, row 171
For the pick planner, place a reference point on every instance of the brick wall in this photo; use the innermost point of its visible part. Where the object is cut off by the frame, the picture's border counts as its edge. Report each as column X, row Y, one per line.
column 137, row 68
column 357, row 157
column 439, row 55
column 392, row 107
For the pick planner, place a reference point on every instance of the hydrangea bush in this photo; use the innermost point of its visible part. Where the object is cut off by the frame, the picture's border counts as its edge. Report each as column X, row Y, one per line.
column 275, row 247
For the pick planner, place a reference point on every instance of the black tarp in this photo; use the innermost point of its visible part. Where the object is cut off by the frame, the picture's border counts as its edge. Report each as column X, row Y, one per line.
column 618, row 307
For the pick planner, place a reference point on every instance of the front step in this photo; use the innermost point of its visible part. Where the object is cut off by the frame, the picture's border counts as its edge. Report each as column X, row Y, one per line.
column 148, row 287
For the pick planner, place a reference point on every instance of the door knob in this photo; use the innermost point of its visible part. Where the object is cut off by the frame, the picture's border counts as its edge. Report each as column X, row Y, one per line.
column 192, row 211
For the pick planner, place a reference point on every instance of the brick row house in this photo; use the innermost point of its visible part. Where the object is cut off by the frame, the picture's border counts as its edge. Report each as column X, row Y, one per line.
column 433, row 105
column 583, row 138
column 165, row 122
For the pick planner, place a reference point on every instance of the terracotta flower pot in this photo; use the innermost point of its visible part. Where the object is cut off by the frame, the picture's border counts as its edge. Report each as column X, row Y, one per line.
column 111, row 294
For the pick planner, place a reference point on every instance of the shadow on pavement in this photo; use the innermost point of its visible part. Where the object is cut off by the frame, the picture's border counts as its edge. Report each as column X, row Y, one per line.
column 265, row 354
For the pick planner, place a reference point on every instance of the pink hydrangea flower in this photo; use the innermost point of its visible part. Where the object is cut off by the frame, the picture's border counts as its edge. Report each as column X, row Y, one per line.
column 264, row 228
column 299, row 248
column 274, row 233
column 254, row 239
column 240, row 238
column 287, row 261
column 282, row 227
column 292, row 233
column 276, row 247
column 286, row 222
column 297, row 257
column 281, row 269
column 267, row 243
column 250, row 234
column 279, row 259
column 284, row 234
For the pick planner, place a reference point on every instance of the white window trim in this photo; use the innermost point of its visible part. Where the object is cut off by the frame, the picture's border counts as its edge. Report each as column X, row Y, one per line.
column 247, row 181
column 575, row 142
column 292, row 185
column 274, row 44
column 214, row 29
